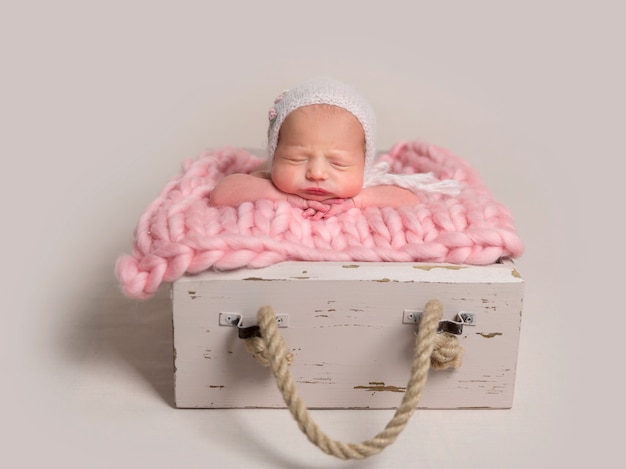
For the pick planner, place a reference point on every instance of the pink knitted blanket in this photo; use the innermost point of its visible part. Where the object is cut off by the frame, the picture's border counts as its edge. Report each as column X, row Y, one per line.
column 180, row 233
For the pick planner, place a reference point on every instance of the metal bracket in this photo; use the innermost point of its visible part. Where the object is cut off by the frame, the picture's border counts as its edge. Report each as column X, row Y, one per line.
column 245, row 332
column 455, row 326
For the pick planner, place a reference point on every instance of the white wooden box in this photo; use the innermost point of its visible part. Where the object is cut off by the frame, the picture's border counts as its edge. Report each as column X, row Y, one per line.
column 346, row 324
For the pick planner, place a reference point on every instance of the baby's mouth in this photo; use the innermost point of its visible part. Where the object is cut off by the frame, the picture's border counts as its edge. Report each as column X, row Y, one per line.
column 315, row 191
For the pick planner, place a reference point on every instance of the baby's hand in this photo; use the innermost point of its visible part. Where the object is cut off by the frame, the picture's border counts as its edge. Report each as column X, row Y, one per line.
column 316, row 210
column 327, row 208
column 299, row 202
column 337, row 206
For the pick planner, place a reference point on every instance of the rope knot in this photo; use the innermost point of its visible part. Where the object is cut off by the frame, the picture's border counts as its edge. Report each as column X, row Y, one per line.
column 447, row 352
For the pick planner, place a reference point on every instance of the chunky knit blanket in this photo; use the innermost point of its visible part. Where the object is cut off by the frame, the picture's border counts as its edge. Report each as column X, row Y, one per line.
column 180, row 233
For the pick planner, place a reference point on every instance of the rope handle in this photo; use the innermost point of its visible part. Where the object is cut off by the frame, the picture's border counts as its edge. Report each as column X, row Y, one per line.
column 432, row 349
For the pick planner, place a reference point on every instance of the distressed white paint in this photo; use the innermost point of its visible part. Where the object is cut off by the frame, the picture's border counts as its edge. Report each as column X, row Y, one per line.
column 351, row 347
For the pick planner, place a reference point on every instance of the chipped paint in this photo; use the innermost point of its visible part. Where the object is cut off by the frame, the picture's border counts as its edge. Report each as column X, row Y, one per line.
column 300, row 278
column 314, row 380
column 321, row 315
column 353, row 325
column 351, row 266
column 350, row 325
column 261, row 279
column 380, row 386
column 431, row 267
column 489, row 335
column 473, row 408
column 216, row 386
column 383, row 280
column 515, row 273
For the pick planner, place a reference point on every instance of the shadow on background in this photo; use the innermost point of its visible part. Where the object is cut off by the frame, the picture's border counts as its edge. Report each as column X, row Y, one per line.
column 107, row 327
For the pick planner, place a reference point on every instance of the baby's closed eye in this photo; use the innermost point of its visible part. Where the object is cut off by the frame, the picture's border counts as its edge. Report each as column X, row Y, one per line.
column 340, row 164
column 295, row 159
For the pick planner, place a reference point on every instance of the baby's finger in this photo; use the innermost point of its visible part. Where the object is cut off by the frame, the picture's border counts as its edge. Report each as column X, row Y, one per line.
column 336, row 201
column 309, row 212
column 317, row 205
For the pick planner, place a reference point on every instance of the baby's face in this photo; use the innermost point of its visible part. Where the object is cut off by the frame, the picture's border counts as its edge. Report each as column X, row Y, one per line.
column 320, row 154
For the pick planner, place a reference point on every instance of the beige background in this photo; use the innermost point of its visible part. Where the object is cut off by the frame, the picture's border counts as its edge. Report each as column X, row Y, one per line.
column 101, row 101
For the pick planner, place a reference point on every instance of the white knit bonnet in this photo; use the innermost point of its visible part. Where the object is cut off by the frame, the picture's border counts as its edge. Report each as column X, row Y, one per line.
column 326, row 90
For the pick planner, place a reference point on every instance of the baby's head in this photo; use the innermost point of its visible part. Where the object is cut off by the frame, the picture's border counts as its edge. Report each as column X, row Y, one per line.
column 331, row 115
column 323, row 91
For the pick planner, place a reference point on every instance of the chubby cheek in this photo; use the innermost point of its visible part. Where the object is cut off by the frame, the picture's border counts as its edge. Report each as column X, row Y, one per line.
column 350, row 186
column 285, row 178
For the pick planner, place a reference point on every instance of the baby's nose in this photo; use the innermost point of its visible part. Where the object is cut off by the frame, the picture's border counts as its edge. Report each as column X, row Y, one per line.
column 316, row 170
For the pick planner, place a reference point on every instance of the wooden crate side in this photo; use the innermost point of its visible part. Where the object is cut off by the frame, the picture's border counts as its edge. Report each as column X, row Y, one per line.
column 351, row 347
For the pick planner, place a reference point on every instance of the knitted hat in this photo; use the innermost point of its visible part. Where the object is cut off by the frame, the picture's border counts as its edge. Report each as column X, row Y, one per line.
column 323, row 91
